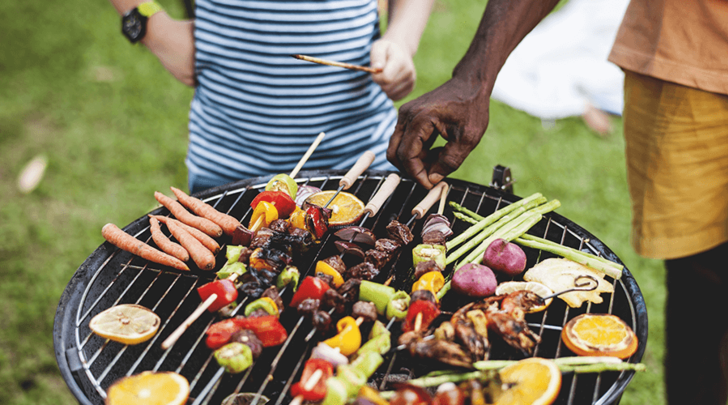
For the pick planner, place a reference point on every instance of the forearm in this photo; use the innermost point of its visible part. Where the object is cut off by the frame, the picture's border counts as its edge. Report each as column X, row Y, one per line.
column 504, row 24
column 406, row 22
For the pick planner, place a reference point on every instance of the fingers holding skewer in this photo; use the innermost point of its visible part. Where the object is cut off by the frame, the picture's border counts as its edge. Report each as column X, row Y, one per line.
column 338, row 64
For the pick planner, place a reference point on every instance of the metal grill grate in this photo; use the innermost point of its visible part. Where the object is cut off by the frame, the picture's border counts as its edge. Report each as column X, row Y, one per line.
column 109, row 277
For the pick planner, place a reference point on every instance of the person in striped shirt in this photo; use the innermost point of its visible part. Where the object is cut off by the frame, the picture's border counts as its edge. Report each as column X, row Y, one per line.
column 256, row 110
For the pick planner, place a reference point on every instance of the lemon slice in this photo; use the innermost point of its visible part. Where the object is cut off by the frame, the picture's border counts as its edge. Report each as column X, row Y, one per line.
column 149, row 388
column 345, row 209
column 126, row 323
column 537, row 288
column 534, row 381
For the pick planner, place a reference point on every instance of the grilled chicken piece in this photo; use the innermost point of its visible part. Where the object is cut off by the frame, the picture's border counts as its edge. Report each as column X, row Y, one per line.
column 465, row 331
column 514, row 331
column 524, row 300
column 443, row 351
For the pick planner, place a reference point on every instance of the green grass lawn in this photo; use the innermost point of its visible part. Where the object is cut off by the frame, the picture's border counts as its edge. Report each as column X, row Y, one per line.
column 113, row 125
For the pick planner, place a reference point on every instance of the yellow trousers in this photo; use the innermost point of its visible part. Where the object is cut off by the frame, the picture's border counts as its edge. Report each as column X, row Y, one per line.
column 677, row 166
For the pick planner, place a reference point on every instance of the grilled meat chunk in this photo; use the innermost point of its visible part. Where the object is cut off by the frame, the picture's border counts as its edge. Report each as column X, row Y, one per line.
column 362, row 271
column 258, row 313
column 308, row 307
column 387, row 245
column 423, row 295
column 248, row 338
column 321, row 321
column 377, row 258
column 350, row 291
column 332, row 299
column 514, row 331
column 399, row 232
column 327, row 278
column 366, row 310
column 272, row 293
column 423, row 268
column 434, row 238
column 261, row 238
column 336, row 262
column 280, row 225
column 245, row 253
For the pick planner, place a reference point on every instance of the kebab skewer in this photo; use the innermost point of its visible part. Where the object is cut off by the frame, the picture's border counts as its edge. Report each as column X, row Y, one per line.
column 221, row 290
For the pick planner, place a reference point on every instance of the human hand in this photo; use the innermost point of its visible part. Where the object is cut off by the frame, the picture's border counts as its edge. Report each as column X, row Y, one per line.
column 398, row 76
column 173, row 43
column 457, row 110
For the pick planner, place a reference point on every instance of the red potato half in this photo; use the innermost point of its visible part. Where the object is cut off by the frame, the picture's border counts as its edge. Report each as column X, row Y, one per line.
column 505, row 257
column 474, row 280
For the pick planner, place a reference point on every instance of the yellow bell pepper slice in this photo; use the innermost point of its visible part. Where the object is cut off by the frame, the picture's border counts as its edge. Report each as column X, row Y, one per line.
column 348, row 339
column 323, row 267
column 298, row 218
column 432, row 281
column 263, row 214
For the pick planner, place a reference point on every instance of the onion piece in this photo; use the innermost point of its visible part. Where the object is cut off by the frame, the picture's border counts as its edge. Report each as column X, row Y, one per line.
column 349, row 248
column 358, row 233
column 304, row 192
column 437, row 222
column 325, row 352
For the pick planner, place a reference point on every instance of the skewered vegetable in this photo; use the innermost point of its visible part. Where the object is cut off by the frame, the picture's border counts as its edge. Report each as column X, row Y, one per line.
column 224, row 289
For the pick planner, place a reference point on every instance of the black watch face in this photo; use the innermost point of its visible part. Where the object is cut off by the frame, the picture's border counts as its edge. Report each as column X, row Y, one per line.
column 132, row 25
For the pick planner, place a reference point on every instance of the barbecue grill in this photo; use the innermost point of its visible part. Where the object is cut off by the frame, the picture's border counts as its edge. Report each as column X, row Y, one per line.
column 109, row 276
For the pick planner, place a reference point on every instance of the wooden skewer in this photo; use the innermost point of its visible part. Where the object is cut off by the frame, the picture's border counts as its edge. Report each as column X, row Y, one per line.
column 443, row 198
column 338, row 64
column 171, row 339
column 308, row 154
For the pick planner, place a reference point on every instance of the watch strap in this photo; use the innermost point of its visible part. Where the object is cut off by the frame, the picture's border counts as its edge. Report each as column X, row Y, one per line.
column 149, row 8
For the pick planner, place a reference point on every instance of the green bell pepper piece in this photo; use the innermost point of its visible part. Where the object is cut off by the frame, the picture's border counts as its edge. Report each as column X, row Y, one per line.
column 379, row 344
column 397, row 306
column 335, row 392
column 379, row 294
column 229, row 269
column 234, row 357
column 368, row 362
column 289, row 275
column 423, row 253
column 353, row 378
column 261, row 303
column 233, row 253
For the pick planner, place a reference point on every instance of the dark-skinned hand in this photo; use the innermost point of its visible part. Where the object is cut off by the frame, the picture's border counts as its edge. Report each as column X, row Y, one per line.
column 458, row 111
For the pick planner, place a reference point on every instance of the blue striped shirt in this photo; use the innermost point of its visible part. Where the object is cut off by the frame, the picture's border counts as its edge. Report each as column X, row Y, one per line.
column 256, row 109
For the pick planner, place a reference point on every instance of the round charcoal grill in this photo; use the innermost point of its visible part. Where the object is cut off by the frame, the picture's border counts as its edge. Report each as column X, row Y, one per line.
column 109, row 276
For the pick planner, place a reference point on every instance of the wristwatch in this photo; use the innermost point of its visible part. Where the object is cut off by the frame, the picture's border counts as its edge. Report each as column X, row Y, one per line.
column 134, row 22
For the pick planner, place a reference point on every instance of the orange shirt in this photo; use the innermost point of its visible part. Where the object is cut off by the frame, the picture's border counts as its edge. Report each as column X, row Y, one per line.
column 681, row 41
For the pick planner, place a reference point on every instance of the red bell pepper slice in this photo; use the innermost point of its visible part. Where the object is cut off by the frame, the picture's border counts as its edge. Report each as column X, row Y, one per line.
column 267, row 328
column 282, row 201
column 225, row 290
column 318, row 391
column 316, row 221
column 220, row 333
column 311, row 287
column 428, row 310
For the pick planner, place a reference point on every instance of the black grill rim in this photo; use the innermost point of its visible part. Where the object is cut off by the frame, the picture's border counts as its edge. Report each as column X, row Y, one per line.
column 63, row 326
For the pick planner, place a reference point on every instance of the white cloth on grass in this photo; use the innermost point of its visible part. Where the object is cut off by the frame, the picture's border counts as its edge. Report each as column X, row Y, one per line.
column 561, row 66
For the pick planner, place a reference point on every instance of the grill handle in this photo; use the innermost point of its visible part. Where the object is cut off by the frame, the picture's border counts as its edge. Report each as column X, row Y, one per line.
column 433, row 196
column 361, row 165
column 384, row 191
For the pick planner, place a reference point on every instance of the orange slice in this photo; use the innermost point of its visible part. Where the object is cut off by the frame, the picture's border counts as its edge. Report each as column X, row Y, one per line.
column 534, row 381
column 149, row 388
column 539, row 289
column 345, row 209
column 126, row 323
column 599, row 335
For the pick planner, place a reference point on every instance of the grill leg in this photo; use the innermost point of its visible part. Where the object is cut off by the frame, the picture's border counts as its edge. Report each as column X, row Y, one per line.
column 696, row 328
